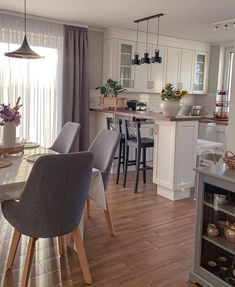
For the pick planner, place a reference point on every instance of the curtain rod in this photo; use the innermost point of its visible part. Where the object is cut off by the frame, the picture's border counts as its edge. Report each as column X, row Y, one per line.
column 33, row 17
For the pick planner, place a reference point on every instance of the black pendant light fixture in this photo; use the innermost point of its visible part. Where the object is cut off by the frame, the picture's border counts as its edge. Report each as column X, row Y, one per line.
column 156, row 58
column 136, row 60
column 146, row 59
column 24, row 52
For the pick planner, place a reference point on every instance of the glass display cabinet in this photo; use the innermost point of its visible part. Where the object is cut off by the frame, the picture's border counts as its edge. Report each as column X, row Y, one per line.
column 214, row 258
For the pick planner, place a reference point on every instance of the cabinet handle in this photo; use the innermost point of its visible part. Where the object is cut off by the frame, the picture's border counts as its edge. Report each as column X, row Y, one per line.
column 132, row 84
column 155, row 129
column 151, row 84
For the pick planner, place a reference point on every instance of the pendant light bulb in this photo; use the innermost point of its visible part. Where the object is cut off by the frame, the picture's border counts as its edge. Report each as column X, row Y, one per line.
column 24, row 52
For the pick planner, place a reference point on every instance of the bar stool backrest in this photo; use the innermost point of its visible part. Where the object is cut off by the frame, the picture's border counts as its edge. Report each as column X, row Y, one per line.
column 114, row 124
column 133, row 130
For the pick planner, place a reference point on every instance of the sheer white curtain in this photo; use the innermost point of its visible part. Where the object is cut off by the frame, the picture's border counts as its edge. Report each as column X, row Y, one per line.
column 37, row 82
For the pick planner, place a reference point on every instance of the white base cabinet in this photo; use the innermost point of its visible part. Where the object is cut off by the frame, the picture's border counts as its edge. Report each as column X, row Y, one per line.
column 175, row 154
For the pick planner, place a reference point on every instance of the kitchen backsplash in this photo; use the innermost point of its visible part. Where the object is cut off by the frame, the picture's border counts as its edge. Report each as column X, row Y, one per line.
column 153, row 100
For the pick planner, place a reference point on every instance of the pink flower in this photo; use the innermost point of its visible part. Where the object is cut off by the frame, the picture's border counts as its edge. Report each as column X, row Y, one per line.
column 16, row 120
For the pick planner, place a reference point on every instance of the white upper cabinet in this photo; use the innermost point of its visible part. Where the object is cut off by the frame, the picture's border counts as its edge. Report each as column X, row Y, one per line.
column 187, row 69
column 158, row 71
column 125, row 70
column 201, row 73
column 173, row 65
column 183, row 61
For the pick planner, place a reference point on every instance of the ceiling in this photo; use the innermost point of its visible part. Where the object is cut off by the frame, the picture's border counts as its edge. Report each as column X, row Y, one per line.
column 189, row 19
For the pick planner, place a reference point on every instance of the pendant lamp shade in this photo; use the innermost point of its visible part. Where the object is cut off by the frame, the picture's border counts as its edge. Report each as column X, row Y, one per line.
column 146, row 59
column 24, row 52
column 136, row 60
column 156, row 58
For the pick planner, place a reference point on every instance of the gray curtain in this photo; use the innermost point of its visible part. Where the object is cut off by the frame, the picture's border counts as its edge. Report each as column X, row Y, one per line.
column 75, row 104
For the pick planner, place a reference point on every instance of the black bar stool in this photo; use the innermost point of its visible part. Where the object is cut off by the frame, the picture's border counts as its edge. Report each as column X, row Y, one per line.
column 113, row 123
column 134, row 139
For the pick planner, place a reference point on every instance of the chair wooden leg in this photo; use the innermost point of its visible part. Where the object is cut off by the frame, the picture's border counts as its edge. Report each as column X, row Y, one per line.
column 88, row 207
column 13, row 249
column 109, row 219
column 28, row 261
column 61, row 245
column 82, row 255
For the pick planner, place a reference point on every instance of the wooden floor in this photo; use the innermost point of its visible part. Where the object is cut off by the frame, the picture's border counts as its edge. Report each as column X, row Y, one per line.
column 153, row 245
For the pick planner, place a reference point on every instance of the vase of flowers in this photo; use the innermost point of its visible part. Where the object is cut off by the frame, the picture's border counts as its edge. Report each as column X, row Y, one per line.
column 171, row 100
column 10, row 119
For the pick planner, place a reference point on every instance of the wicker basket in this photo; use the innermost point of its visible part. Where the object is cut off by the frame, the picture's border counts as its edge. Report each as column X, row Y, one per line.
column 229, row 159
column 113, row 102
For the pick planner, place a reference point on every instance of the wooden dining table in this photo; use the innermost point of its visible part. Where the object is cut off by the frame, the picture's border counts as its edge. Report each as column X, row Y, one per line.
column 14, row 177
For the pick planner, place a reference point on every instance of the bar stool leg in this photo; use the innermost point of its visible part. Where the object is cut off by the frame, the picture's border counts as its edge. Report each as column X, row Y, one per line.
column 119, row 161
column 126, row 165
column 144, row 165
column 123, row 157
column 138, row 154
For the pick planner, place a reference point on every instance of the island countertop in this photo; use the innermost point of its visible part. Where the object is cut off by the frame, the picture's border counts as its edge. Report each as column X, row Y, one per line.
column 145, row 114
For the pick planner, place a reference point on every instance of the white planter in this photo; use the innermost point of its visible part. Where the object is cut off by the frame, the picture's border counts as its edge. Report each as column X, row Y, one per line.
column 170, row 108
column 9, row 134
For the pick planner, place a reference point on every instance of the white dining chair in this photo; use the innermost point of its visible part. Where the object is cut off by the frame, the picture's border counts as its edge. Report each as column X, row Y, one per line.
column 67, row 138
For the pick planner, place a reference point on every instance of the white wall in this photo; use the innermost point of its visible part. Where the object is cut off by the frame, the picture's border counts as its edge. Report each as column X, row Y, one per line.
column 231, row 126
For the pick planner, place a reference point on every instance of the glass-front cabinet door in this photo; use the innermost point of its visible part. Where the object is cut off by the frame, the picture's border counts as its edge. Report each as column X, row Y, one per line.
column 125, row 69
column 217, row 256
column 200, row 74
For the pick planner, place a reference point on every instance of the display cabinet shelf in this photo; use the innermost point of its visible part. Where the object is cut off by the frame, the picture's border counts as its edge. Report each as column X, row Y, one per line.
column 221, row 242
column 225, row 208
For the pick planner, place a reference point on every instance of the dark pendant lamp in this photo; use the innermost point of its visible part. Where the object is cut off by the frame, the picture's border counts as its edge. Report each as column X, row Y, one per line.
column 157, row 58
column 136, row 60
column 24, row 52
column 146, row 59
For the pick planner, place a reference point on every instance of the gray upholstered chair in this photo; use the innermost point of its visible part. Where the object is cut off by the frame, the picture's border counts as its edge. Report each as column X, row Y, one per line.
column 51, row 205
column 103, row 149
column 67, row 140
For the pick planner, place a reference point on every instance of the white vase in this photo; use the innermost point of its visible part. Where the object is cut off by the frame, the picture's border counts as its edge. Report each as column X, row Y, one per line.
column 170, row 108
column 9, row 134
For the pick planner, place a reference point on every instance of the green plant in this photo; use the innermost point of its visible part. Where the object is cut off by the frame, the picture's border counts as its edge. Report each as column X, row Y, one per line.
column 170, row 93
column 112, row 88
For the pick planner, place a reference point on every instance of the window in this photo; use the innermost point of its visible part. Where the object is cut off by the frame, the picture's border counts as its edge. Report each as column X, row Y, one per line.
column 37, row 82
column 228, row 71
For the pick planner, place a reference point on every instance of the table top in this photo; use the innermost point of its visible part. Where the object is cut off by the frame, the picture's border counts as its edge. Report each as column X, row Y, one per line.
column 19, row 171
column 145, row 114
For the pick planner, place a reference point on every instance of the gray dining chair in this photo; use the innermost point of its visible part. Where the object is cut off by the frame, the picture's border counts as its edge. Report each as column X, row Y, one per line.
column 51, row 205
column 67, row 140
column 103, row 149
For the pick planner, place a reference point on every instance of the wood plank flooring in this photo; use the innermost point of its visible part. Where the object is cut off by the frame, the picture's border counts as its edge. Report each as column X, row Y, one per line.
column 153, row 245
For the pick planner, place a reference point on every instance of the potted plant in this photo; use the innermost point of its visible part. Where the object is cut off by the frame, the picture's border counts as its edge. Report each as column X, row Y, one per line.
column 171, row 100
column 110, row 92
column 10, row 119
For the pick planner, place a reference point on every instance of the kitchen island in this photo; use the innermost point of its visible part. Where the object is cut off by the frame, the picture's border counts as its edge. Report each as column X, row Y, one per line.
column 175, row 148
